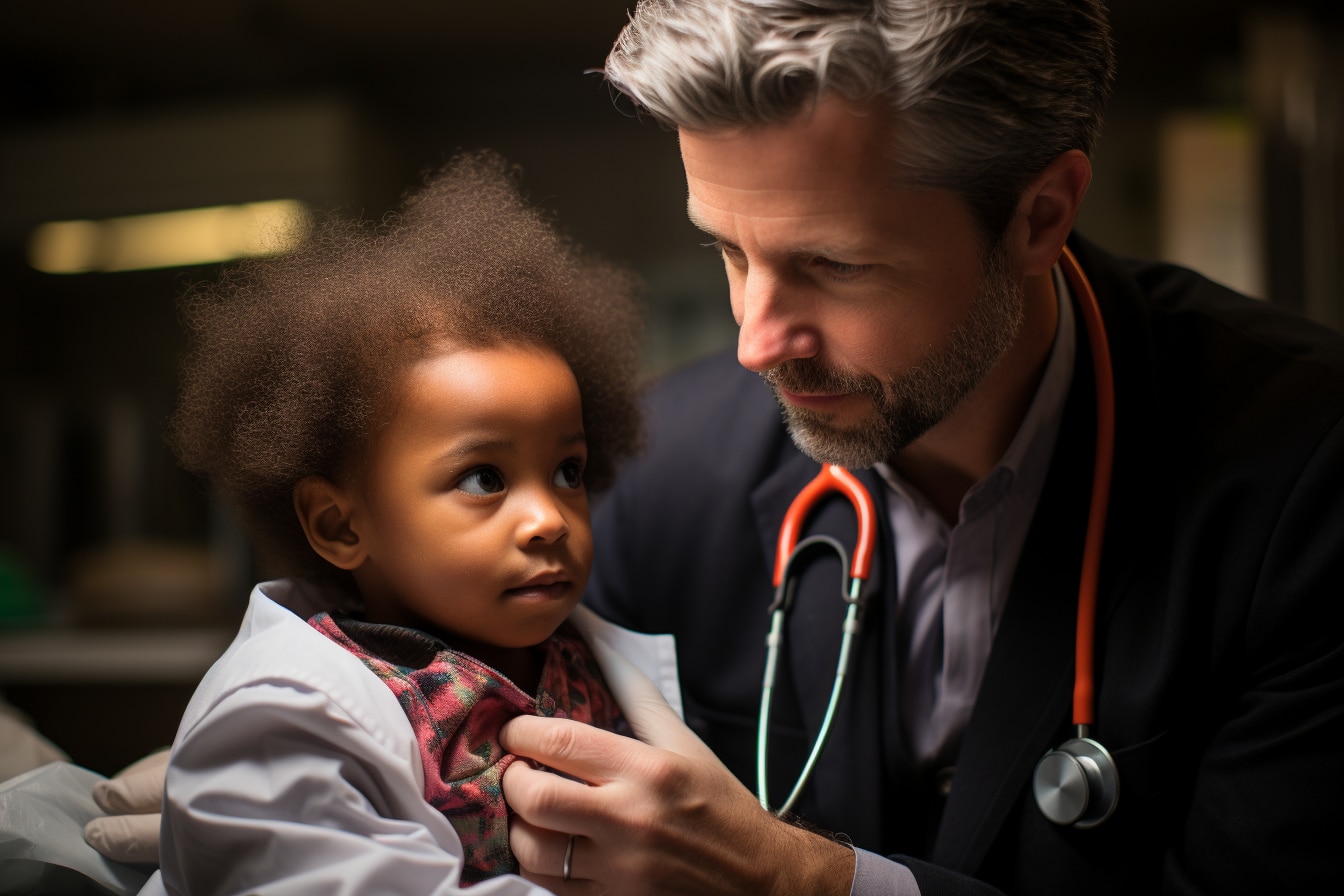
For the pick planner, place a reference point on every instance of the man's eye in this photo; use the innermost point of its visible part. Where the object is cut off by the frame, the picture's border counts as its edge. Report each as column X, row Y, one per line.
column 727, row 250
column 569, row 474
column 482, row 481
column 841, row 268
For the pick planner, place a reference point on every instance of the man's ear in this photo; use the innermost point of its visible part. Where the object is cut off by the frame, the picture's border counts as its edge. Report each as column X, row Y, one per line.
column 1049, row 207
column 324, row 510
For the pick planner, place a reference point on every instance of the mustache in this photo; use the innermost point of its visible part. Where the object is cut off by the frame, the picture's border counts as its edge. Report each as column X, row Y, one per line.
column 805, row 375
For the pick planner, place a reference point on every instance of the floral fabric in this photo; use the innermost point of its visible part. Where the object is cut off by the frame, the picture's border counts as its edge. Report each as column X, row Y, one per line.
column 457, row 704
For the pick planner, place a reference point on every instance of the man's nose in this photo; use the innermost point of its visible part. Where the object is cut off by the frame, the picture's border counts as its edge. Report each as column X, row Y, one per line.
column 773, row 324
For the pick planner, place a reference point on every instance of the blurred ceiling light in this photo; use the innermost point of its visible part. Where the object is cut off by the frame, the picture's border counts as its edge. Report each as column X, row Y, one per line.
column 169, row 239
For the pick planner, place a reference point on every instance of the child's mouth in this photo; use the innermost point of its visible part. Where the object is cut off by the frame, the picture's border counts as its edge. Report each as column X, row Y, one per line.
column 544, row 587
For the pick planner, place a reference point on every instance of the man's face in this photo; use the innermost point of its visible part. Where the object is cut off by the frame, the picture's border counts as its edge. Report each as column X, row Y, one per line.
column 866, row 307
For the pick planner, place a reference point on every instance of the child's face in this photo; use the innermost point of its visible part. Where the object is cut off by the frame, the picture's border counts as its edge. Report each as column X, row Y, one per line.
column 471, row 504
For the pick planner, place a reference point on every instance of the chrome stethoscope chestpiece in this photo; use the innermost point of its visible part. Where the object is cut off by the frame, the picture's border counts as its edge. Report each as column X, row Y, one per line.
column 1077, row 784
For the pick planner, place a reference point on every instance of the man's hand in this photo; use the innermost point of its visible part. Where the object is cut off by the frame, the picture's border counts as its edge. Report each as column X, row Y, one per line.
column 658, row 817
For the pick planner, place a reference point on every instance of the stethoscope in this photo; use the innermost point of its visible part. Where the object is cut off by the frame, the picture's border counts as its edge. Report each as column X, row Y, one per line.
column 1074, row 784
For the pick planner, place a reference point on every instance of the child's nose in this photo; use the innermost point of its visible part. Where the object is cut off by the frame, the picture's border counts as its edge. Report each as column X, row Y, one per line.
column 543, row 522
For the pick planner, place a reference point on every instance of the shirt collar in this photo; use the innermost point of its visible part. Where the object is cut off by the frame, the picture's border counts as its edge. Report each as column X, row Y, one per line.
column 1027, row 458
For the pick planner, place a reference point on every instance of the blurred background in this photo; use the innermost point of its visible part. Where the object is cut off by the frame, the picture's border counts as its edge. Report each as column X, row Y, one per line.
column 120, row 580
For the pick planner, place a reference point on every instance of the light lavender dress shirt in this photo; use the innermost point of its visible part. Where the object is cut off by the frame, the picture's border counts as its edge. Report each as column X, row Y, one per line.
column 953, row 582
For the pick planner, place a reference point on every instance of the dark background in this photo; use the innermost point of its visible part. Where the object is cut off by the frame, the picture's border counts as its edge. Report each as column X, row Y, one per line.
column 149, row 105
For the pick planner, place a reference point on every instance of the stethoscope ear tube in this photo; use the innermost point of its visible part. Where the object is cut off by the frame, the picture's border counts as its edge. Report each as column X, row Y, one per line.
column 788, row 585
column 783, row 602
column 778, row 610
column 831, row 479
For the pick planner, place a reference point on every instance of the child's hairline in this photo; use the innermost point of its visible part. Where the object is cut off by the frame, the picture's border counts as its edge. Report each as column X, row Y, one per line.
column 438, row 344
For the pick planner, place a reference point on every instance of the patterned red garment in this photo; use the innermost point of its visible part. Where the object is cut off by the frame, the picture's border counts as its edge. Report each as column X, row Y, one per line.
column 457, row 704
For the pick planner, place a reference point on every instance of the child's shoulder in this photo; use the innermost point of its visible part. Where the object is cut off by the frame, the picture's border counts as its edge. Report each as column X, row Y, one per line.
column 278, row 662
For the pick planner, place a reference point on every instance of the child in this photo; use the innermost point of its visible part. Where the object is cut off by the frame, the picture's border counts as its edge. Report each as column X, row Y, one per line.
column 408, row 421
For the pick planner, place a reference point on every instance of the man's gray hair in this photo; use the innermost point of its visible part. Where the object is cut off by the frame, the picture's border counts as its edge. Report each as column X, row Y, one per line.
column 986, row 92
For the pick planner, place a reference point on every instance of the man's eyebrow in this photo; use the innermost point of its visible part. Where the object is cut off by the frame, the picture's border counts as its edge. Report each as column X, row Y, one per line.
column 700, row 223
column 838, row 250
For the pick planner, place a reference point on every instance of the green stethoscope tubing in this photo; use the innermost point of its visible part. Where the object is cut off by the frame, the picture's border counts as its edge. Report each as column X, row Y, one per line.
column 831, row 478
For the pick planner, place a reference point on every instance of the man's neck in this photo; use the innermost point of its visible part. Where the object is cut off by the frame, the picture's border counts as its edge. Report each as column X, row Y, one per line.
column 961, row 450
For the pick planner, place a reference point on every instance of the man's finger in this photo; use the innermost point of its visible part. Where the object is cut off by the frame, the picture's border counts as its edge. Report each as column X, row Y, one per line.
column 541, row 854
column 541, row 860
column 551, row 801
column 572, row 748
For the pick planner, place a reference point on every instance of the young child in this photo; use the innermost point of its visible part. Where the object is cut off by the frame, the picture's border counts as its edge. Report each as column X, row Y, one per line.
column 408, row 420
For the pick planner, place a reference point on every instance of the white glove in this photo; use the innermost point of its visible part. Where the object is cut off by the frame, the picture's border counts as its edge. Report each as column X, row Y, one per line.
column 133, row 801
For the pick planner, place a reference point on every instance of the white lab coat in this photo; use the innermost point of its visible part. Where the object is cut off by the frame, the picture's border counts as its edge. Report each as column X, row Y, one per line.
column 296, row 771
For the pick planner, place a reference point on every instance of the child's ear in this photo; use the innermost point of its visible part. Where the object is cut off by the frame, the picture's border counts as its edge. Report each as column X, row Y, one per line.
column 324, row 510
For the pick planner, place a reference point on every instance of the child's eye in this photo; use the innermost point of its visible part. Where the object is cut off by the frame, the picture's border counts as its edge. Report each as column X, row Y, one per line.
column 482, row 481
column 570, row 474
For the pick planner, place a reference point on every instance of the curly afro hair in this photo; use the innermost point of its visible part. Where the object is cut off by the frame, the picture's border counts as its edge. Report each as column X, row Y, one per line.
column 293, row 356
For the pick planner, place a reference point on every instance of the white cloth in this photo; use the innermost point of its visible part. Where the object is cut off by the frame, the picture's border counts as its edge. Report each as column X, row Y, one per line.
column 22, row 748
column 296, row 771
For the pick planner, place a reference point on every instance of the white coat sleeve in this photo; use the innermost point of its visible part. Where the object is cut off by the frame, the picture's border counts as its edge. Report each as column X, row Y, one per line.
column 281, row 788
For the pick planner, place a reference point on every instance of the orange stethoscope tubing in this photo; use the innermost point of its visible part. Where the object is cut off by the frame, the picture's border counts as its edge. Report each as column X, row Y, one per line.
column 833, row 478
column 1084, row 702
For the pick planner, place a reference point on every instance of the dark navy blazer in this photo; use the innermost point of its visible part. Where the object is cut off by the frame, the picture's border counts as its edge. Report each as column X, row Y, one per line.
column 1220, row 643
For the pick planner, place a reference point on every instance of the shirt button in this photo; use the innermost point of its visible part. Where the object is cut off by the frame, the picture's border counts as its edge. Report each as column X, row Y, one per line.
column 546, row 705
column 944, row 779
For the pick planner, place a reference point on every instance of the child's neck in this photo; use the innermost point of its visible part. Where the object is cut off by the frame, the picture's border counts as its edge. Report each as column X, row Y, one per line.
column 521, row 665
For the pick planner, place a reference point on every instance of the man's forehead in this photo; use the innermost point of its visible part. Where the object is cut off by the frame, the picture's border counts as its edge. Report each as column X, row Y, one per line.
column 808, row 215
column 831, row 141
column 825, row 156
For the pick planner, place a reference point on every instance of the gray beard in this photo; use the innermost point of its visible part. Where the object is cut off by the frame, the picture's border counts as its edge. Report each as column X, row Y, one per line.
column 907, row 406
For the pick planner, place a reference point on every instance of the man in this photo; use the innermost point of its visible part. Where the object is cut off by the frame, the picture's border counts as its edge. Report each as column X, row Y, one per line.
column 892, row 185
